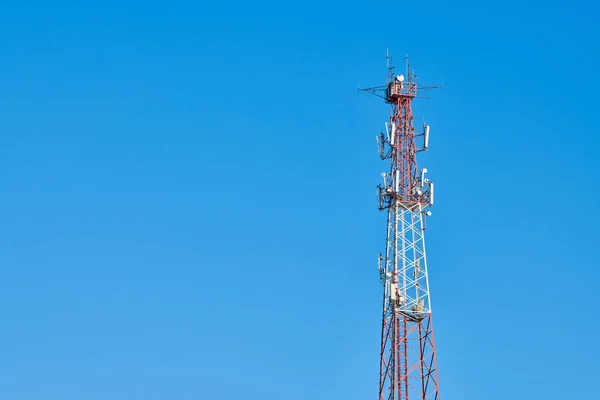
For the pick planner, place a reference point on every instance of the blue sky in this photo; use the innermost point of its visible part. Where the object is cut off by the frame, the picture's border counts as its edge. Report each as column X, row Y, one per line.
column 188, row 197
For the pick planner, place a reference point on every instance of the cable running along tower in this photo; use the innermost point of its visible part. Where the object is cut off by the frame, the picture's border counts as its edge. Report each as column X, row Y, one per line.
column 408, row 360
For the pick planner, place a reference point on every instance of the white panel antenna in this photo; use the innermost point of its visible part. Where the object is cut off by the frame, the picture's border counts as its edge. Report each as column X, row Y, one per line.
column 393, row 133
column 431, row 193
column 426, row 144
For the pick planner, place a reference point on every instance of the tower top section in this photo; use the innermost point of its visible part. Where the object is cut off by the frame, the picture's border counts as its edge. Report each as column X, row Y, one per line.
column 399, row 86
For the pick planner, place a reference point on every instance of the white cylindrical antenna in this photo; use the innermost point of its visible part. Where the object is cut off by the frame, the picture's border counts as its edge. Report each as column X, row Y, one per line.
column 423, row 171
column 393, row 133
column 387, row 131
column 431, row 193
column 397, row 181
column 426, row 136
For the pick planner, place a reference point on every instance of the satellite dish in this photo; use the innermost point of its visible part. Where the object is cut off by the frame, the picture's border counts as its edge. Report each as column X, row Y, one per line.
column 400, row 78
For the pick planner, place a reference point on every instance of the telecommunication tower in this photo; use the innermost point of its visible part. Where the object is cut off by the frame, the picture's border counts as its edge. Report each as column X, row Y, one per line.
column 408, row 359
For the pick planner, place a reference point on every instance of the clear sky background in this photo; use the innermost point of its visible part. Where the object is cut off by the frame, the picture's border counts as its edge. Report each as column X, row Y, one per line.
column 188, row 211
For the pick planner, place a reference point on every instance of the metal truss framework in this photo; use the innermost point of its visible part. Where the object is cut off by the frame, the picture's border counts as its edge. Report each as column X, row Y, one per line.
column 408, row 358
column 408, row 365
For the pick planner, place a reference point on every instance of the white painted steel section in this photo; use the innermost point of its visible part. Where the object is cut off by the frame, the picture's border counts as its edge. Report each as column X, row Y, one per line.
column 406, row 261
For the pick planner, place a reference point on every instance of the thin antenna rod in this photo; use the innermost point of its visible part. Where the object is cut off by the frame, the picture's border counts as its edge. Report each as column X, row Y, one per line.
column 390, row 66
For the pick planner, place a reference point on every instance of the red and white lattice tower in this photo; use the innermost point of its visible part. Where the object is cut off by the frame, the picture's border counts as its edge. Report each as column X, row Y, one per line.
column 408, row 358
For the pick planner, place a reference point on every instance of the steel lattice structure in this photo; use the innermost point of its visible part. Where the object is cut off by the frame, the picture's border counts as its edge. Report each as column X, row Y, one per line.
column 408, row 358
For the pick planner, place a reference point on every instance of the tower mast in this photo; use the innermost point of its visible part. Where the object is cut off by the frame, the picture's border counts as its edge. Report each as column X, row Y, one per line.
column 408, row 358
